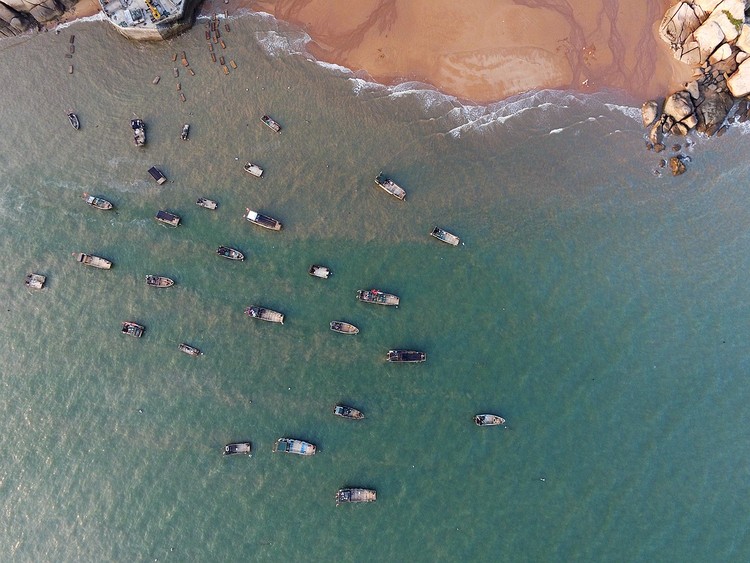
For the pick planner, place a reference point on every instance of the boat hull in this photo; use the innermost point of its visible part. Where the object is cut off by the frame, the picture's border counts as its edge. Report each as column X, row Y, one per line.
column 238, row 448
column 159, row 281
column 139, row 132
column 406, row 356
column 294, row 446
column 262, row 220
column 391, row 187
column 343, row 327
column 189, row 350
column 444, row 236
column 378, row 297
column 345, row 411
column 167, row 218
column 263, row 314
column 230, row 253
column 253, row 169
column 97, row 202
column 488, row 420
column 207, row 203
column 35, row 281
column 73, row 118
column 354, row 495
column 132, row 329
column 271, row 123
column 317, row 271
column 93, row 261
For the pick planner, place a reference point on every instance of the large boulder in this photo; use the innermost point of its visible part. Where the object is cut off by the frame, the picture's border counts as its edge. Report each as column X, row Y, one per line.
column 677, row 165
column 743, row 40
column 721, row 54
column 709, row 36
column 677, row 25
column 707, row 6
column 729, row 15
column 42, row 11
column 679, row 105
column 649, row 112
column 739, row 82
column 713, row 111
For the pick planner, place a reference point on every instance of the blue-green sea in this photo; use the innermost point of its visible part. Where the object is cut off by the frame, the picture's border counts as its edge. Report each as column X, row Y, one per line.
column 601, row 308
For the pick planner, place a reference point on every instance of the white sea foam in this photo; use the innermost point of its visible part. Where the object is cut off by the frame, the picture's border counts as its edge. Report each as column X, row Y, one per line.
column 97, row 17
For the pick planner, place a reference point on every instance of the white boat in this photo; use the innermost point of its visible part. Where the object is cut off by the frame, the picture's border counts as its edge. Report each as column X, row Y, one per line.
column 345, row 411
column 238, row 448
column 132, row 329
column 230, row 253
column 159, row 281
column 253, row 169
column 343, row 327
column 189, row 350
column 319, row 271
column 390, row 186
column 271, row 123
column 256, row 312
column 262, row 220
column 93, row 261
column 445, row 236
column 97, row 202
column 207, row 203
column 488, row 420
column 185, row 132
column 293, row 446
column 73, row 118
column 35, row 281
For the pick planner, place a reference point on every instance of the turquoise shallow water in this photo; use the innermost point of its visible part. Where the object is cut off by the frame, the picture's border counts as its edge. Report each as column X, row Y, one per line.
column 600, row 309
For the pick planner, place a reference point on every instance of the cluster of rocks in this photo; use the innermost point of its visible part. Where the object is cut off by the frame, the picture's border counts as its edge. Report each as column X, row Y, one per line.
column 713, row 38
column 18, row 16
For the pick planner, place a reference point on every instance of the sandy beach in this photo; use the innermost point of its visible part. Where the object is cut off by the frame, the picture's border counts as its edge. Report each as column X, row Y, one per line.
column 483, row 50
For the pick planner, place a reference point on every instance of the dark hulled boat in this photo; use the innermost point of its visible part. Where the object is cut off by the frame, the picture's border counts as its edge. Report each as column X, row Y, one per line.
column 353, row 494
column 230, row 253
column 271, row 123
column 406, row 356
column 345, row 411
column 139, row 132
column 378, row 297
column 73, row 118
column 236, row 448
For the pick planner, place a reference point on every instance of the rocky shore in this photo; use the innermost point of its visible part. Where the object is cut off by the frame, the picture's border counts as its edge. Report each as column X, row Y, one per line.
column 712, row 37
column 19, row 16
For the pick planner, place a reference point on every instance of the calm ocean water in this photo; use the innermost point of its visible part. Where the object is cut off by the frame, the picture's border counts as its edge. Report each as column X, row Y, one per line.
column 602, row 310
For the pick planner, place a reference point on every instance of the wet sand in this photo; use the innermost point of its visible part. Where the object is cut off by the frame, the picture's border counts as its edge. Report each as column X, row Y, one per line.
column 484, row 50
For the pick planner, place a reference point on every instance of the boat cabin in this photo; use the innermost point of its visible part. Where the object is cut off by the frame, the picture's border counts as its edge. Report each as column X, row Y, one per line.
column 168, row 218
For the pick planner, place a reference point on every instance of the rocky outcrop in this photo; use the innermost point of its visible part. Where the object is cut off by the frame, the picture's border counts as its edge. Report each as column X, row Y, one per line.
column 18, row 16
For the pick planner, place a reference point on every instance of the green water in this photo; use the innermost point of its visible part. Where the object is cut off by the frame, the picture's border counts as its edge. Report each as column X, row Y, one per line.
column 601, row 310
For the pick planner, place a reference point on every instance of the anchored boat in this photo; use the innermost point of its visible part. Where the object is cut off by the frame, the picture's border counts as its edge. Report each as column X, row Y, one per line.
column 132, row 329
column 406, row 356
column 189, row 350
column 293, row 446
column 73, row 118
column 93, row 261
column 445, row 236
column 159, row 281
column 355, row 495
column 35, row 281
column 343, row 327
column 319, row 271
column 262, row 220
column 169, row 219
column 271, row 123
column 348, row 412
column 185, row 132
column 230, row 253
column 235, row 448
column 157, row 175
column 207, row 203
column 488, row 420
column 378, row 297
column 253, row 169
column 256, row 312
column 97, row 202
column 139, row 132
column 390, row 186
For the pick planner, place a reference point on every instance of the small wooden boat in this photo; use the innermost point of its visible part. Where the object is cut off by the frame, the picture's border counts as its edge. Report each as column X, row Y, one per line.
column 348, row 412
column 262, row 220
column 98, row 202
column 253, row 169
column 230, row 253
column 406, row 356
column 93, row 261
column 445, row 236
column 35, row 281
column 390, row 186
column 319, row 271
column 169, row 219
column 207, row 203
column 378, row 297
column 488, row 420
column 294, row 446
column 73, row 118
column 256, row 312
column 235, row 448
column 271, row 123
column 139, row 132
column 159, row 281
column 343, row 328
column 190, row 350
column 355, row 495
column 157, row 175
column 185, row 132
column 132, row 329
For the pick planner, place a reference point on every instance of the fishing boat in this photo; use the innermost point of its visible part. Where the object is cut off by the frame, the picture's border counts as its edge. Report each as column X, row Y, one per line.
column 262, row 220
column 488, row 420
column 319, row 271
column 253, row 169
column 343, row 328
column 207, row 203
column 378, row 297
column 238, row 448
column 93, row 261
column 132, row 329
column 271, row 123
column 348, row 412
column 230, row 253
column 355, row 495
column 390, row 186
column 35, row 281
column 73, row 118
column 189, row 350
column 139, row 132
column 157, row 175
column 169, row 219
column 185, row 132
column 445, row 236
column 256, row 312
column 293, row 446
column 406, row 356
column 97, row 202
column 159, row 281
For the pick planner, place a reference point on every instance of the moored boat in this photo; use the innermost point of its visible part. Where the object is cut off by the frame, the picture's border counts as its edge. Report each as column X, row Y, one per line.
column 294, row 446
column 157, row 175
column 406, row 356
column 97, row 202
column 139, row 132
column 271, row 123
column 73, row 118
column 348, row 412
column 185, row 132
column 159, row 281
column 169, row 219
column 262, row 220
column 235, row 448
column 253, row 169
column 35, row 281
column 488, row 420
column 207, row 203
column 319, row 271
column 93, row 261
column 230, row 253
column 343, row 327
column 445, row 236
column 353, row 494
column 378, row 297
column 256, row 312
column 189, row 350
column 390, row 186
column 133, row 329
